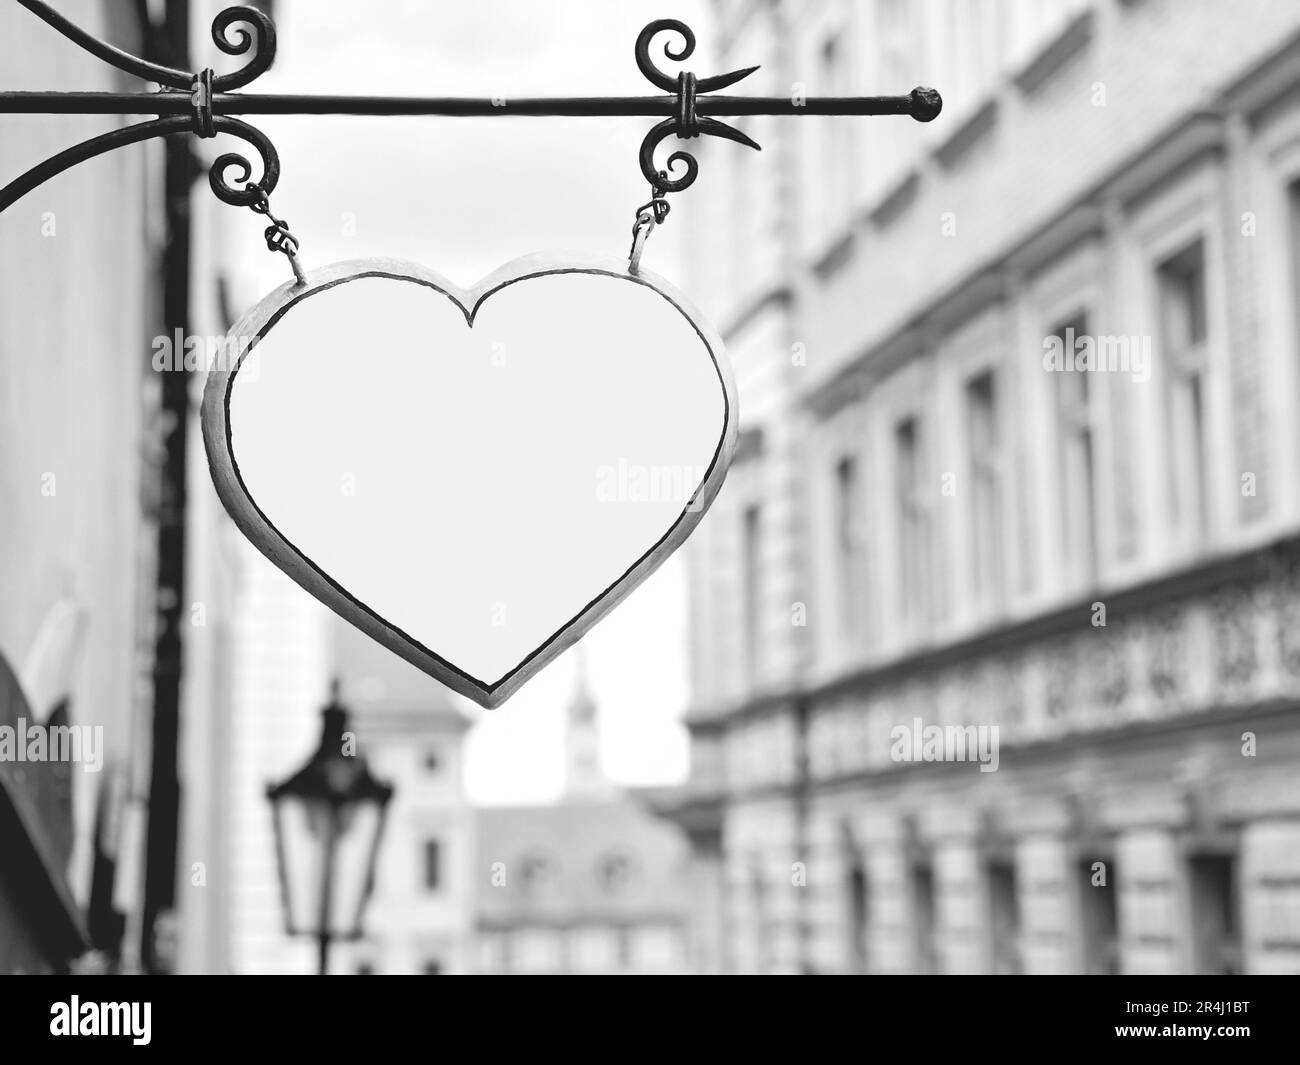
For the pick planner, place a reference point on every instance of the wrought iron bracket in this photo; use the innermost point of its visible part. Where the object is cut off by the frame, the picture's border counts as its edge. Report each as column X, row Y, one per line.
column 202, row 104
column 686, row 121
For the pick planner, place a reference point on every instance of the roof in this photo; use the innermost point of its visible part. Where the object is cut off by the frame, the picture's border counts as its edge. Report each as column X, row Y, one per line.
column 578, row 861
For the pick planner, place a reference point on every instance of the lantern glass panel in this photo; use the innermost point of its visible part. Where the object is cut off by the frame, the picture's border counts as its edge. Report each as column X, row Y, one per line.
column 323, row 847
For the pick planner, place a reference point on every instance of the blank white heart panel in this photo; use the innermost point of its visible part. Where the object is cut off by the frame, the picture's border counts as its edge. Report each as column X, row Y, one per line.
column 472, row 476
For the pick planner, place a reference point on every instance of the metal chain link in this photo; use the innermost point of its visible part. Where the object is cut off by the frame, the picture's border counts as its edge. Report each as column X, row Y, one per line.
column 277, row 234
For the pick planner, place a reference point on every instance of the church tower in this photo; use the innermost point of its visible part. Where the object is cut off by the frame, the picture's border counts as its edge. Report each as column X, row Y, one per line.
column 582, row 775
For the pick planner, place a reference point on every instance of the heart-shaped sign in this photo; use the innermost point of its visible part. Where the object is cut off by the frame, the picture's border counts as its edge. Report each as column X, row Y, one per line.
column 472, row 477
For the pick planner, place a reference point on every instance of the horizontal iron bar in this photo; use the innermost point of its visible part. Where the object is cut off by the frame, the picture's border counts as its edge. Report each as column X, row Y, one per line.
column 177, row 103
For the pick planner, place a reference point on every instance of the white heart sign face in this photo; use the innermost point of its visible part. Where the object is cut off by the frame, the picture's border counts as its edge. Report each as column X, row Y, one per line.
column 472, row 477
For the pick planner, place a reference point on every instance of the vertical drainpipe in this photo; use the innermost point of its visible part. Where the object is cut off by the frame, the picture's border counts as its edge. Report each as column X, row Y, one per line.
column 170, row 44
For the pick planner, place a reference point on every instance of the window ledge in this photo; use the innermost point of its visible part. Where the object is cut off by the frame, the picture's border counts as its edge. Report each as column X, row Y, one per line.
column 967, row 135
column 834, row 255
column 1072, row 39
column 895, row 201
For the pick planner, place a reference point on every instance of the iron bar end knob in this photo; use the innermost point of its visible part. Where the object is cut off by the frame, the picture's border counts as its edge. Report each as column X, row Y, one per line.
column 926, row 104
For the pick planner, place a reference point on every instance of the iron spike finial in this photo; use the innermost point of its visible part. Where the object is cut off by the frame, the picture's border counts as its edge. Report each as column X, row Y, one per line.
column 685, row 123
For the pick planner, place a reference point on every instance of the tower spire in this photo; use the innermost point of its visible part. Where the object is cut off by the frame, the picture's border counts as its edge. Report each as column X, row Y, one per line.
column 582, row 739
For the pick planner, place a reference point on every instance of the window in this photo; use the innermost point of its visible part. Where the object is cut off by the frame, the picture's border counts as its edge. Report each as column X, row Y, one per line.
column 857, row 888
column 1004, row 917
column 751, row 591
column 759, row 903
column 537, row 872
column 432, row 864
column 1100, row 919
column 914, row 522
column 1216, row 935
column 927, row 960
column 614, row 871
column 1076, row 461
column 1181, row 284
column 849, row 546
column 983, row 444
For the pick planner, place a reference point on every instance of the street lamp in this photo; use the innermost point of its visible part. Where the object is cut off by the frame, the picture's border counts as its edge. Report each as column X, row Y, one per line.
column 328, row 819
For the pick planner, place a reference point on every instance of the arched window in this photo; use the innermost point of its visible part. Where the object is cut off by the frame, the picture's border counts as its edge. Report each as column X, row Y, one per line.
column 614, row 870
column 538, row 873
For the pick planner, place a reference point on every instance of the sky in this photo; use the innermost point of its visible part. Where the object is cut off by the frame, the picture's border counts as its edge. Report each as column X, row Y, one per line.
column 462, row 196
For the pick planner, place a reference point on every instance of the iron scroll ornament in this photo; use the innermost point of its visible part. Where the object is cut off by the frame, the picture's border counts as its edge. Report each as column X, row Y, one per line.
column 687, row 122
column 254, row 36
column 922, row 104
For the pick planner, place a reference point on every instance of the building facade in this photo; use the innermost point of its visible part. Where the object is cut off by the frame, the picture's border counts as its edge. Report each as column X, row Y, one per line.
column 592, row 884
column 409, row 729
column 1019, row 459
column 88, row 410
column 412, row 731
column 80, row 298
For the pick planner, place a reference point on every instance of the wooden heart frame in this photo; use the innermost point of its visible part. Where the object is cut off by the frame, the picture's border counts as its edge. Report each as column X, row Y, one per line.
column 259, row 529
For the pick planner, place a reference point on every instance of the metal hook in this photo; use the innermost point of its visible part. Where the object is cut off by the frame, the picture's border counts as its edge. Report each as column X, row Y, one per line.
column 640, row 234
column 648, row 215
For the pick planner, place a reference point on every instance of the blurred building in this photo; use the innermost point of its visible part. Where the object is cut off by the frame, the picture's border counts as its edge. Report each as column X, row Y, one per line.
column 591, row 884
column 80, row 298
column 930, row 523
column 408, row 728
column 280, row 666
column 87, row 263
column 257, row 663
column 411, row 730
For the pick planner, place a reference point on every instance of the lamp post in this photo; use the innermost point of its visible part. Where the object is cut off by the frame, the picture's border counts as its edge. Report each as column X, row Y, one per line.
column 328, row 818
